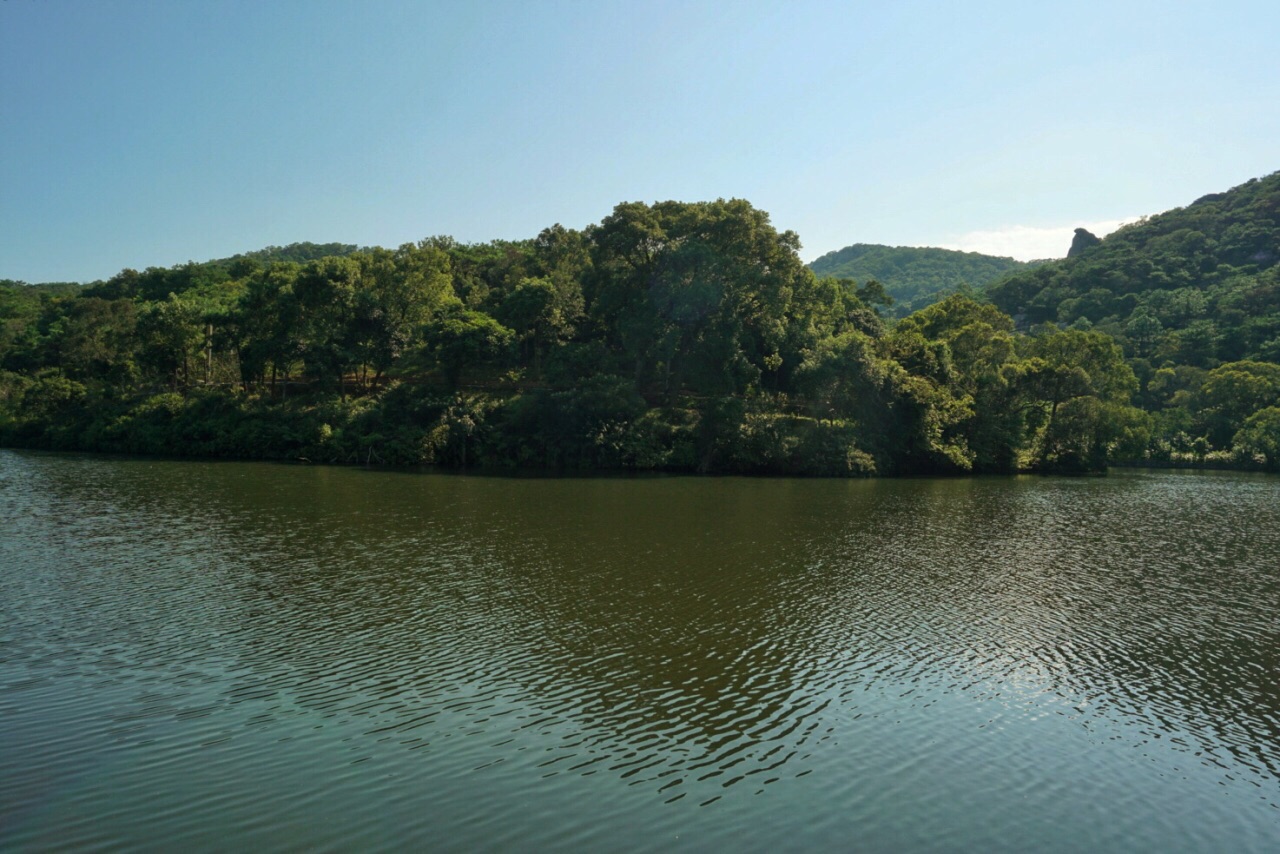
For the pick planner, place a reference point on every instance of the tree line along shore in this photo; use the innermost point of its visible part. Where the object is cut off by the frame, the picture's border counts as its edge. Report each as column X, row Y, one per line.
column 672, row 336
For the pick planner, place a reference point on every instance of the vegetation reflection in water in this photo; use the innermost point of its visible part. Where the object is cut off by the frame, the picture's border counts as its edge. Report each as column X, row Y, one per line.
column 213, row 654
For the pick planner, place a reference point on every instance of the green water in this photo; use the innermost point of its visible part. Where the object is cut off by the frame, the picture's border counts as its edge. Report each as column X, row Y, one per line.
column 201, row 656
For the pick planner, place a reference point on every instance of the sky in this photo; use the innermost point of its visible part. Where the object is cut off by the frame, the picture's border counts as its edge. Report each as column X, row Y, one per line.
column 138, row 134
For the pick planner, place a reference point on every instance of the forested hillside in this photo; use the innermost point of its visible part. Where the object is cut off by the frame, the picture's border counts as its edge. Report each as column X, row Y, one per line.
column 1192, row 295
column 297, row 252
column 914, row 276
column 672, row 336
column 1193, row 284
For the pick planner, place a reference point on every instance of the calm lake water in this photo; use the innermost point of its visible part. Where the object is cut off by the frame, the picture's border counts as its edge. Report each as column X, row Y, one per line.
column 242, row 656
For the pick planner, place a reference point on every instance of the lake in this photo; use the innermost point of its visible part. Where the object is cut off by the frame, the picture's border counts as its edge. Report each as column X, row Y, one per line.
column 243, row 656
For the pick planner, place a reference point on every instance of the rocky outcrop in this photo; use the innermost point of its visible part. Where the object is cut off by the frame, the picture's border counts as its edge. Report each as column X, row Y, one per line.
column 1082, row 241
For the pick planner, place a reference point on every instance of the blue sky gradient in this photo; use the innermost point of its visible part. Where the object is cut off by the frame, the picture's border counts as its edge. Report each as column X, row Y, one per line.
column 139, row 134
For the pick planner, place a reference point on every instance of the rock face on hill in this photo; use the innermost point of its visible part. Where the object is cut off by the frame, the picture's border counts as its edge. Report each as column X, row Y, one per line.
column 1082, row 241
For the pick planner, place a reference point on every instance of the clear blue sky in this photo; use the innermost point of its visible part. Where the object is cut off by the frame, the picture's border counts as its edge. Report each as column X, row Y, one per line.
column 138, row 134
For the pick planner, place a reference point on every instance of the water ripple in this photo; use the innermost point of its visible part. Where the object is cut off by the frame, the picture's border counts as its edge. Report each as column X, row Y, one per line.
column 334, row 658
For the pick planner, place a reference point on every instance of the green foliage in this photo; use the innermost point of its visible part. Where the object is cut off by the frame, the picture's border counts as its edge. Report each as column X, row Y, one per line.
column 693, row 296
column 1233, row 392
column 1195, row 285
column 1261, row 436
column 1079, row 385
column 90, row 339
column 1085, row 432
column 913, row 277
column 401, row 291
column 777, row 443
column 1193, row 297
column 462, row 338
column 170, row 336
column 585, row 427
column 672, row 336
column 296, row 253
column 843, row 374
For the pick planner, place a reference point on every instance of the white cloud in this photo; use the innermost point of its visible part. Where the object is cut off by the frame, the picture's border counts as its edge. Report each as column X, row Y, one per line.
column 1028, row 243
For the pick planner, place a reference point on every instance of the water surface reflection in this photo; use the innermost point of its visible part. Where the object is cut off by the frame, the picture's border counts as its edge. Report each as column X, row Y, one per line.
column 290, row 656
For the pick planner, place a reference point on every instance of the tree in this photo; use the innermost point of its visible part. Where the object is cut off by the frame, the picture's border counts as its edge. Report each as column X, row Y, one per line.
column 842, row 376
column 927, row 408
column 532, row 310
column 900, row 394
column 693, row 294
column 269, row 323
column 979, row 348
column 401, row 291
column 326, row 293
column 1233, row 392
column 563, row 256
column 92, row 339
column 460, row 338
column 1144, row 331
column 1261, row 436
column 1086, row 373
column 172, row 335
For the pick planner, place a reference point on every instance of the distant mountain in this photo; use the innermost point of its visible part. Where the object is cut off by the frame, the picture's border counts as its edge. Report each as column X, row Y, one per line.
column 299, row 253
column 1193, row 286
column 915, row 276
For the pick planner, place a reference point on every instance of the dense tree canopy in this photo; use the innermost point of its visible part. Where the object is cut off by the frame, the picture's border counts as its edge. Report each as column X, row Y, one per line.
column 679, row 336
column 914, row 276
column 1192, row 298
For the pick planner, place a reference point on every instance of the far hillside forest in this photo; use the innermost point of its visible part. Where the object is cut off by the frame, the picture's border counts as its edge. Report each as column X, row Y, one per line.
column 915, row 276
column 685, row 337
